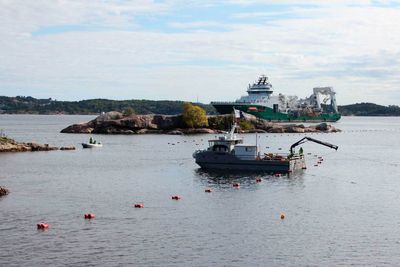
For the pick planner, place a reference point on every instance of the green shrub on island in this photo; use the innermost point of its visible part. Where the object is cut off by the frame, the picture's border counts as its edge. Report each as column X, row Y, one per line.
column 194, row 116
column 221, row 122
column 245, row 125
column 129, row 112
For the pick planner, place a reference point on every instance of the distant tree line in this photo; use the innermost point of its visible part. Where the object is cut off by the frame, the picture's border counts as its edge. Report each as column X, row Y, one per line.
column 30, row 105
column 369, row 109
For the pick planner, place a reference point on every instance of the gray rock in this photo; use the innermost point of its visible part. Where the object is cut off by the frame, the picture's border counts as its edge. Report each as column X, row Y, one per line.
column 4, row 191
column 116, row 123
column 67, row 148
column 175, row 132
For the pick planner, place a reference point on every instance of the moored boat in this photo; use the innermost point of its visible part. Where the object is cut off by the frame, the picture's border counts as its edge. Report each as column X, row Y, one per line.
column 92, row 143
column 87, row 145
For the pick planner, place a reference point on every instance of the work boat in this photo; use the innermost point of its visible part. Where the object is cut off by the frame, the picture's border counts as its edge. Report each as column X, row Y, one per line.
column 229, row 153
column 263, row 103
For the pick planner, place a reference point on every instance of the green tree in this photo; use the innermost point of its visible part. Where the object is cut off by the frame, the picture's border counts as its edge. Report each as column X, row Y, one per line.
column 128, row 112
column 245, row 125
column 194, row 116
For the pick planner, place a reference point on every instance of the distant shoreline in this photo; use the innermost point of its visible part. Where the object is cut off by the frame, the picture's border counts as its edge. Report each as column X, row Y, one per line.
column 97, row 114
column 29, row 105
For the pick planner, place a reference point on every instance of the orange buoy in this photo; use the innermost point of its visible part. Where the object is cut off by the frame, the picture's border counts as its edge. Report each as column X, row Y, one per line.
column 90, row 216
column 258, row 180
column 237, row 185
column 176, row 197
column 139, row 205
column 282, row 216
column 43, row 226
column 208, row 190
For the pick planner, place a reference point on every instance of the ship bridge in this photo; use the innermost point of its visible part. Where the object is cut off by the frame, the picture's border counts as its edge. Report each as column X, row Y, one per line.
column 261, row 86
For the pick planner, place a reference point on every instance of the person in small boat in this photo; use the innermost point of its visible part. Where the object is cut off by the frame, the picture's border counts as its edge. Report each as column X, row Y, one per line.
column 91, row 140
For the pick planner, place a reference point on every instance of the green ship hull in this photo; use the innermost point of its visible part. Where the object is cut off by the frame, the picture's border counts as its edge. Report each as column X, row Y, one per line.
column 271, row 115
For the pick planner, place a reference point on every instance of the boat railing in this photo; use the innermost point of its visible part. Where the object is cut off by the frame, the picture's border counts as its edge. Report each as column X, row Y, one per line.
column 281, row 156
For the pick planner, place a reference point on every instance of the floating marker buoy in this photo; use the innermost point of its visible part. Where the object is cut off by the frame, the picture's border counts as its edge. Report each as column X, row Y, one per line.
column 282, row 216
column 139, row 205
column 208, row 190
column 42, row 226
column 237, row 185
column 277, row 175
column 258, row 180
column 176, row 197
column 90, row 216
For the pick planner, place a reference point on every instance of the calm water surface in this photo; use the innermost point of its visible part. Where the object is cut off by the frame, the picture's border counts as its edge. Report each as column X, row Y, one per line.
column 343, row 212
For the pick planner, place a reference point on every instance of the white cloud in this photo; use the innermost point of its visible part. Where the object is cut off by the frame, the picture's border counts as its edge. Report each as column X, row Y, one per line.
column 353, row 48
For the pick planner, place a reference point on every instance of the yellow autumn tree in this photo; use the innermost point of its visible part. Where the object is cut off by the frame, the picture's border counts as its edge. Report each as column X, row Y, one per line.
column 194, row 116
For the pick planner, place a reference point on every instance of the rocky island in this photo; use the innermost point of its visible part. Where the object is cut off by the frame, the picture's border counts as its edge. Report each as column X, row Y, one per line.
column 10, row 145
column 118, row 123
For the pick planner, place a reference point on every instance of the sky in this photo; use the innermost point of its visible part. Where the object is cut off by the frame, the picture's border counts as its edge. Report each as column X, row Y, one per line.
column 199, row 50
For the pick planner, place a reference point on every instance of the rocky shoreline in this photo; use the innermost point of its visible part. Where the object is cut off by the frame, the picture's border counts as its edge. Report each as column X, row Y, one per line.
column 10, row 145
column 4, row 191
column 116, row 123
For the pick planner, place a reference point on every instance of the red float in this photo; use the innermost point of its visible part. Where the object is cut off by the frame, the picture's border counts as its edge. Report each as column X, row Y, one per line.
column 90, row 216
column 139, row 205
column 43, row 226
column 258, row 180
column 176, row 197
column 237, row 185
column 208, row 190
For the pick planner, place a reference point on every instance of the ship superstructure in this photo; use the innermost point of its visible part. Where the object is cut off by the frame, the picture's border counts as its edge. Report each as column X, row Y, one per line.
column 262, row 103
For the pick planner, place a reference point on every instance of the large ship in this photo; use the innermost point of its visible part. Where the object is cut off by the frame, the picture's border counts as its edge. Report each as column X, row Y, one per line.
column 260, row 102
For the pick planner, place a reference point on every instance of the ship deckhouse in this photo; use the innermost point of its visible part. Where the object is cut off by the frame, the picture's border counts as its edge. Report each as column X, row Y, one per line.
column 262, row 86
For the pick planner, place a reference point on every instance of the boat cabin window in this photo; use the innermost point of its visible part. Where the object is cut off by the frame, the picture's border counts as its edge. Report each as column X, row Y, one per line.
column 220, row 148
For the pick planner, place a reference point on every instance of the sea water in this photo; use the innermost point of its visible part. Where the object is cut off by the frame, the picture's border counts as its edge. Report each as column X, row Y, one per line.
column 344, row 211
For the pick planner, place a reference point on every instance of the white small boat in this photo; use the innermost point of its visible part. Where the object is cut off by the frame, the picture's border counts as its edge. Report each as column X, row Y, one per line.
column 87, row 145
